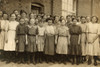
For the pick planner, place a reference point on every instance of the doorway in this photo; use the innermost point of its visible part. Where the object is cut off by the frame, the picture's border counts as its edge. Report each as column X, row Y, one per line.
column 37, row 8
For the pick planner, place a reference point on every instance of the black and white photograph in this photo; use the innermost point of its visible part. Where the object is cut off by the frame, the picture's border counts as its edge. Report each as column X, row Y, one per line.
column 49, row 33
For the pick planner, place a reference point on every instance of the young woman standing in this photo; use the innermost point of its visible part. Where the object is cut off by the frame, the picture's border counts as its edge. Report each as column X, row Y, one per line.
column 75, row 51
column 93, row 47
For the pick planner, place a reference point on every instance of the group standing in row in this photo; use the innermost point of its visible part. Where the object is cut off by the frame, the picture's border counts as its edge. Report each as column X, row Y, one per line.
column 52, row 38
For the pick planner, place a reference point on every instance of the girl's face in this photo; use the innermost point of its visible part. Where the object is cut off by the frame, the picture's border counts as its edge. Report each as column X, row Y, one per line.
column 44, row 16
column 88, row 19
column 23, row 15
column 41, row 24
column 32, row 16
column 22, row 21
column 39, row 17
column 57, row 18
column 69, row 19
column 63, row 22
column 36, row 21
column 5, row 16
column 83, row 20
column 50, row 22
column 13, row 17
column 16, row 12
column 79, row 18
column 62, row 18
column 18, row 16
column 32, row 21
column 94, row 19
column 74, row 22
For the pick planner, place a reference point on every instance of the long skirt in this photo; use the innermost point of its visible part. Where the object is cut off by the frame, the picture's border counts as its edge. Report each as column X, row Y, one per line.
column 31, row 47
column 75, row 48
column 2, row 40
column 49, row 45
column 40, row 43
column 94, row 48
column 21, row 43
column 10, row 45
column 83, row 43
column 62, row 46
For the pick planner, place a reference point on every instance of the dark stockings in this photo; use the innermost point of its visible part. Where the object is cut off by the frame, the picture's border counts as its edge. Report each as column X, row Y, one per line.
column 89, row 60
column 95, row 60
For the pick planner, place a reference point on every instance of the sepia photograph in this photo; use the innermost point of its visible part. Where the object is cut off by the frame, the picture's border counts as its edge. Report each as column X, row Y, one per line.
column 49, row 33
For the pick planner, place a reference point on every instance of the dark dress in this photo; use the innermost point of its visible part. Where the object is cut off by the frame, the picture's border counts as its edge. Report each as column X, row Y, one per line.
column 21, row 37
column 75, row 48
column 31, row 32
column 49, row 48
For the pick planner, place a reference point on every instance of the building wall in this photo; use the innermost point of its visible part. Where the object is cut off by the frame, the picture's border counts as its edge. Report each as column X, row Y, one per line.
column 68, row 7
column 63, row 7
column 89, row 8
column 96, row 8
column 84, row 7
column 11, row 5
column 57, row 7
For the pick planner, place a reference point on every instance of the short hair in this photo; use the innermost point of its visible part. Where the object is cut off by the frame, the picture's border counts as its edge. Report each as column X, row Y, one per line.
column 74, row 19
column 22, row 11
column 49, row 19
column 83, row 17
column 11, row 14
column 95, row 17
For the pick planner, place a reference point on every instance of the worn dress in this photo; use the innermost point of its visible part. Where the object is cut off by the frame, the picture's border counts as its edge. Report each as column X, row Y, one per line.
column 83, row 38
column 31, row 37
column 41, row 39
column 11, row 45
column 49, row 48
column 75, row 48
column 93, row 29
column 4, row 29
column 21, row 37
column 62, row 45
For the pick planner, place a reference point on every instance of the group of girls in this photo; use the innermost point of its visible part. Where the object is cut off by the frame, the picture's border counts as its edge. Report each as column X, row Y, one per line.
column 37, row 38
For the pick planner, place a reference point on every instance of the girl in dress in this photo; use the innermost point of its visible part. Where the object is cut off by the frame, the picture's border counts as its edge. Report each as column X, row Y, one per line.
column 56, row 21
column 32, row 16
column 83, row 38
column 63, row 41
column 49, row 49
column 18, row 17
column 24, row 16
column 79, row 20
column 40, row 41
column 10, row 45
column 4, row 28
column 31, row 39
column 3, row 34
column 21, row 39
column 93, row 47
column 75, row 51
column 16, row 12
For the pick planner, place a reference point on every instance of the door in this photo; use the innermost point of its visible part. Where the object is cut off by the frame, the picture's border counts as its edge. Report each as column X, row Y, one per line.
column 36, row 8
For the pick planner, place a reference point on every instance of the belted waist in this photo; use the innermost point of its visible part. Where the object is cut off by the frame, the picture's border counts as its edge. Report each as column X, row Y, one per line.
column 83, row 32
column 11, row 30
column 41, row 35
column 62, row 36
column 75, row 34
column 50, row 35
column 21, row 34
column 3, row 30
column 31, row 35
column 91, row 33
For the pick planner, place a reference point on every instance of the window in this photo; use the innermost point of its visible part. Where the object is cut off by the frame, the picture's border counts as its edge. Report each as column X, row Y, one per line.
column 67, row 7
